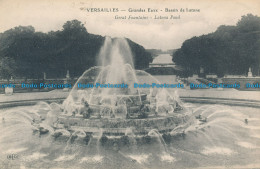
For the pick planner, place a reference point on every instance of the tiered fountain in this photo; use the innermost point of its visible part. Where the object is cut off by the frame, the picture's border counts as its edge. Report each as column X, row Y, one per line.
column 116, row 110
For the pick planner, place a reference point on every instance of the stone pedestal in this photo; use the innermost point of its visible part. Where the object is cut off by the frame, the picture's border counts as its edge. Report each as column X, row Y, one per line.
column 249, row 74
column 67, row 80
column 9, row 91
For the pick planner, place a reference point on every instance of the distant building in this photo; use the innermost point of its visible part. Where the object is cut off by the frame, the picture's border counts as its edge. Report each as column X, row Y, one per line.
column 163, row 69
column 211, row 76
column 163, row 60
column 161, row 65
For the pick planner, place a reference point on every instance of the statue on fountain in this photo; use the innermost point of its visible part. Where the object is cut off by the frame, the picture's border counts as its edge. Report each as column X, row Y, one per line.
column 85, row 109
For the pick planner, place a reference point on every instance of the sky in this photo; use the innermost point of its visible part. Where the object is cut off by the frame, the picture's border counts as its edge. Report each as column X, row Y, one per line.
column 50, row 15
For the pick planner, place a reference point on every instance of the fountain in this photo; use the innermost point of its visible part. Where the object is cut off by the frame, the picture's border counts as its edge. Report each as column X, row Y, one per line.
column 104, row 105
column 104, row 98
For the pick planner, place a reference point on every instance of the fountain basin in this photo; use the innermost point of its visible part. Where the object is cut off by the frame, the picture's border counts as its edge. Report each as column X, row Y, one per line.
column 96, row 99
column 119, row 126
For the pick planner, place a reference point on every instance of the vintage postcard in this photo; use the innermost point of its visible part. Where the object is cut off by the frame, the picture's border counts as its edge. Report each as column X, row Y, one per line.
column 112, row 84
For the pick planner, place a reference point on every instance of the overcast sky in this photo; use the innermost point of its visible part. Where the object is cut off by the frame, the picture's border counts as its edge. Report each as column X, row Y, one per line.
column 47, row 15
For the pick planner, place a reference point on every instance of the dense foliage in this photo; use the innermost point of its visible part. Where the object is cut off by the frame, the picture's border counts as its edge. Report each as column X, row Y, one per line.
column 25, row 53
column 229, row 50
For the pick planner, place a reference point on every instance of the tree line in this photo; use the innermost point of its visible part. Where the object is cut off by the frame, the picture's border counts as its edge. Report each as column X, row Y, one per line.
column 228, row 50
column 25, row 53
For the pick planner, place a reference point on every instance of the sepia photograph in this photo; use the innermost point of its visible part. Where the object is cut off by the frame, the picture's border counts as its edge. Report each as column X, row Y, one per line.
column 117, row 84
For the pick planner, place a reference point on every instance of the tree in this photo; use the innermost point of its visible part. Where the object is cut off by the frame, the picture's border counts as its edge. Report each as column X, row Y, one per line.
column 7, row 67
column 249, row 23
column 55, row 52
column 74, row 26
column 229, row 50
